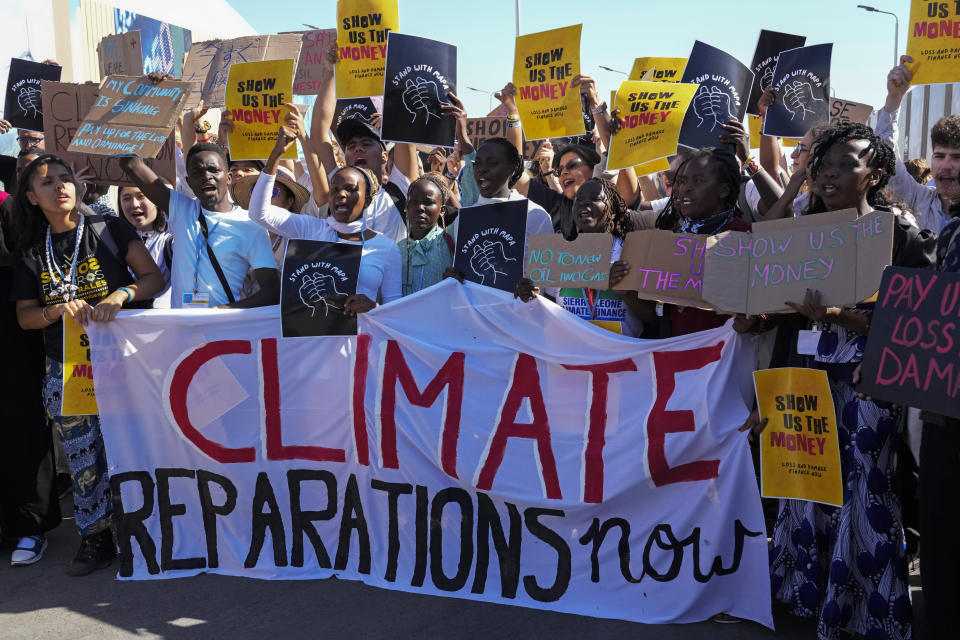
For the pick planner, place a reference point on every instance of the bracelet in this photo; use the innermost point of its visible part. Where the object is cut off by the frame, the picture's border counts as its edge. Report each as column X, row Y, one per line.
column 448, row 175
column 600, row 108
column 514, row 117
column 552, row 172
column 751, row 168
column 512, row 124
column 128, row 292
column 43, row 314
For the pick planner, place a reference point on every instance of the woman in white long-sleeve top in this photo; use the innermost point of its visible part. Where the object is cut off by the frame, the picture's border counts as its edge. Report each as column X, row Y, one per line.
column 351, row 191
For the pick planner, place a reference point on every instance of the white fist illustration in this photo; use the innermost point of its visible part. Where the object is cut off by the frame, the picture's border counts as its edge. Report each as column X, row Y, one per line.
column 314, row 290
column 799, row 100
column 488, row 261
column 712, row 106
column 422, row 96
column 766, row 79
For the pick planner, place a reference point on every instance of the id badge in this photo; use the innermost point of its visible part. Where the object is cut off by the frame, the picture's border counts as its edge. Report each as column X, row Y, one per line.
column 807, row 342
column 196, row 300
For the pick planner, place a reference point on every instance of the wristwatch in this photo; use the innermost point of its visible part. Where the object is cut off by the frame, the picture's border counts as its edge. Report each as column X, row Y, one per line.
column 600, row 108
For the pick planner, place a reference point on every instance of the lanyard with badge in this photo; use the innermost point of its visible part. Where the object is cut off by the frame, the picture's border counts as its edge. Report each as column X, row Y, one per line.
column 198, row 299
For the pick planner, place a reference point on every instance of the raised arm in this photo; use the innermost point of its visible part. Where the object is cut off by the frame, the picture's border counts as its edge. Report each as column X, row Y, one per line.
column 769, row 146
column 318, row 177
column 322, row 118
column 188, row 125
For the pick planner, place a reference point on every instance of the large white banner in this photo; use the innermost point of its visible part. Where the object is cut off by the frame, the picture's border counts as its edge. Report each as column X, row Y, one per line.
column 464, row 444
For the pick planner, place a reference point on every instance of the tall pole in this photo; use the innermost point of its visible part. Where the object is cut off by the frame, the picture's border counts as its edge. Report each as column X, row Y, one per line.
column 896, row 30
column 516, row 4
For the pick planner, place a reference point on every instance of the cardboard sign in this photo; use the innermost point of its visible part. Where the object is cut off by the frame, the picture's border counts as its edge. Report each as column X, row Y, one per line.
column 362, row 30
column 756, row 132
column 120, row 55
column 256, row 94
column 551, row 261
column 849, row 111
column 665, row 266
column 481, row 129
column 799, row 448
column 770, row 45
column 802, row 82
column 419, row 75
column 79, row 397
column 131, row 116
column 837, row 253
column 652, row 114
column 490, row 243
column 652, row 69
column 65, row 104
column 543, row 65
column 314, row 71
column 318, row 277
column 23, row 107
column 209, row 62
column 162, row 44
column 724, row 87
column 912, row 355
column 933, row 41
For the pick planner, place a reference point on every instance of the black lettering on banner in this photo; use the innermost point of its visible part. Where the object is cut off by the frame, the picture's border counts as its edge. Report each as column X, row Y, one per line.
column 211, row 511
column 353, row 519
column 663, row 537
column 260, row 520
column 301, row 522
column 394, row 491
column 167, row 512
column 562, row 580
column 130, row 523
column 420, row 564
column 508, row 554
column 440, row 500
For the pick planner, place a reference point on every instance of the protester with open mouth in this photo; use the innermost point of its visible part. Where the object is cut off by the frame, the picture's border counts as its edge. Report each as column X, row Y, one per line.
column 847, row 565
column 76, row 265
column 151, row 226
column 352, row 191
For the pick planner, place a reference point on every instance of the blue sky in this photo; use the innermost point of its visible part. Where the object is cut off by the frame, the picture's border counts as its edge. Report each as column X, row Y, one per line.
column 617, row 31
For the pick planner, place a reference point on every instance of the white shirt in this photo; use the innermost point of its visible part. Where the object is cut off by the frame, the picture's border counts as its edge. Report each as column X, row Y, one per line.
column 238, row 243
column 922, row 198
column 379, row 258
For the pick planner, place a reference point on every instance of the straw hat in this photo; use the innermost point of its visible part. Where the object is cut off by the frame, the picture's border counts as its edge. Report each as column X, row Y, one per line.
column 241, row 189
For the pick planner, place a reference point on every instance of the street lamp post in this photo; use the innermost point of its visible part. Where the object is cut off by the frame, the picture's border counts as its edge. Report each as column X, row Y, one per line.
column 896, row 30
column 489, row 95
column 614, row 70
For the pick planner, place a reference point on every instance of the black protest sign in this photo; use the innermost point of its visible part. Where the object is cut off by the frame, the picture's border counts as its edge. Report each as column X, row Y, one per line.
column 490, row 240
column 912, row 357
column 802, row 82
column 23, row 106
column 419, row 74
column 358, row 108
column 722, row 96
column 318, row 277
column 770, row 45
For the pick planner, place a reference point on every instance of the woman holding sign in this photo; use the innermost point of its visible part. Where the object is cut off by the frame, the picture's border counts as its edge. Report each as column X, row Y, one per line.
column 352, row 190
column 847, row 565
column 79, row 266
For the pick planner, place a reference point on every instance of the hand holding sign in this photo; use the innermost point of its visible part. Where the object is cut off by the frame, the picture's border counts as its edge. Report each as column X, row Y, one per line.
column 712, row 106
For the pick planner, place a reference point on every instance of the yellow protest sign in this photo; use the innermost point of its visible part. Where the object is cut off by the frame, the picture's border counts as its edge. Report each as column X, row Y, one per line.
column 256, row 93
column 654, row 166
column 799, row 448
column 543, row 65
column 756, row 130
column 362, row 28
column 78, row 396
column 653, row 69
column 933, row 41
column 652, row 113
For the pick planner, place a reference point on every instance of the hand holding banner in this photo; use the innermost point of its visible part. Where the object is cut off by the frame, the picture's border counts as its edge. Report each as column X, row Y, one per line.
column 932, row 38
column 317, row 279
column 799, row 448
column 79, row 397
column 256, row 95
column 490, row 241
column 652, row 114
column 543, row 66
column 23, row 107
column 362, row 30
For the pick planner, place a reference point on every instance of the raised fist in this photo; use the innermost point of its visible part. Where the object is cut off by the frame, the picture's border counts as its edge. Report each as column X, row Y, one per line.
column 422, row 96
column 712, row 106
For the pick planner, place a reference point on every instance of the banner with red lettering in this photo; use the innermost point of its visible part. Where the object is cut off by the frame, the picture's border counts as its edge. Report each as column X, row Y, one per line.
column 511, row 453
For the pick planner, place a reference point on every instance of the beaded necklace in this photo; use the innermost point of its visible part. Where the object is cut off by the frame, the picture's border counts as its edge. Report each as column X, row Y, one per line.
column 63, row 285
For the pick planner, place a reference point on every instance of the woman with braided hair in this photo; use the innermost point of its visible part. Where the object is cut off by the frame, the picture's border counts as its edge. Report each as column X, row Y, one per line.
column 847, row 565
column 427, row 251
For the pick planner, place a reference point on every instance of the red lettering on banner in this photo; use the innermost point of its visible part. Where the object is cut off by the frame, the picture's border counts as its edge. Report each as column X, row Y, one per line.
column 525, row 383
column 593, row 454
column 359, row 408
column 660, row 422
column 450, row 375
column 180, row 383
column 276, row 450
